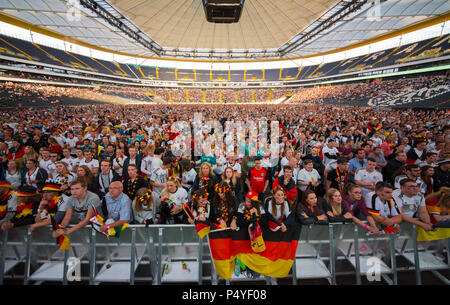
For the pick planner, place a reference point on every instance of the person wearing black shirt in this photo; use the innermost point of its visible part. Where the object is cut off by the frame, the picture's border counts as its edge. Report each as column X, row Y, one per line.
column 338, row 178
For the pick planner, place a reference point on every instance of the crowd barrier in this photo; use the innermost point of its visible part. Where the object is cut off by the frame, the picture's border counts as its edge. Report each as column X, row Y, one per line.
column 161, row 254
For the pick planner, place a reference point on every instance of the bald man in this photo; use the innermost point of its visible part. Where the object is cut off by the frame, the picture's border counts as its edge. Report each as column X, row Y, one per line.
column 118, row 207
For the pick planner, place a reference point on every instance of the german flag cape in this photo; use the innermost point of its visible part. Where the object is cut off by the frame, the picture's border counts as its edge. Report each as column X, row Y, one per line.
column 63, row 241
column 275, row 261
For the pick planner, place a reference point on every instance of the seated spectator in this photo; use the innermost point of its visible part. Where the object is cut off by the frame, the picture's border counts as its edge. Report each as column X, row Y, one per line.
column 441, row 175
column 33, row 175
column 411, row 171
column 334, row 207
column 223, row 206
column 426, row 174
column 8, row 202
column 393, row 166
column 80, row 208
column 438, row 205
column 90, row 162
column 116, row 208
column 83, row 172
column 308, row 211
column 172, row 198
column 104, row 178
column 12, row 174
column 278, row 207
column 133, row 182
column 308, row 177
column 339, row 177
column 356, row 205
column 368, row 177
column 28, row 200
column 377, row 154
column 411, row 201
column 63, row 176
column 385, row 211
column 144, row 207
column 53, row 204
column 287, row 183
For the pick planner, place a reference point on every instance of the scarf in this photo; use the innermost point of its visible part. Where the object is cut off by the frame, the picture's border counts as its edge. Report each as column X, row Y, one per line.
column 340, row 179
column 4, row 203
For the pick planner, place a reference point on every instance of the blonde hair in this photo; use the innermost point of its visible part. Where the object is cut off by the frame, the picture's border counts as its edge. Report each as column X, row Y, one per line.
column 165, row 192
column 211, row 172
column 337, row 209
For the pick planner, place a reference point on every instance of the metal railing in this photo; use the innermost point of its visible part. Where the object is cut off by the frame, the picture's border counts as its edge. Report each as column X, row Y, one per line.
column 174, row 253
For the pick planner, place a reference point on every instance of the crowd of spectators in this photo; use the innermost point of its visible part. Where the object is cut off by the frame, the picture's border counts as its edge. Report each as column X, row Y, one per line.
column 330, row 163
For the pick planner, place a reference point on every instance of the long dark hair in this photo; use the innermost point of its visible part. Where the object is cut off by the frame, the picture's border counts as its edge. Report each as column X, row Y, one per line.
column 315, row 209
column 230, row 201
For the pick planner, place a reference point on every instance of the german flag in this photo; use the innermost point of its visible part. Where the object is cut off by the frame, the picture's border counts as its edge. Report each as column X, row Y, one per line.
column 275, row 261
column 440, row 233
column 63, row 241
column 202, row 227
column 116, row 230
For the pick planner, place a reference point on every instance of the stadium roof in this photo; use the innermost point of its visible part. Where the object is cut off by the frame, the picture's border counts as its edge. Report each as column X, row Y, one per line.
column 178, row 28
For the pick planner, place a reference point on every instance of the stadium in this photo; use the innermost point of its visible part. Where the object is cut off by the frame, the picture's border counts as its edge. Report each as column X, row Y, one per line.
column 224, row 142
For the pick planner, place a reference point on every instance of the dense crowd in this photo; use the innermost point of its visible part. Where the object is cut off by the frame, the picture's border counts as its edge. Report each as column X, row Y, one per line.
column 330, row 163
column 360, row 92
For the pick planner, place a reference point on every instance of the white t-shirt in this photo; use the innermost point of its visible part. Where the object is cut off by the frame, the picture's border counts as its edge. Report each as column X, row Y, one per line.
column 159, row 176
column 179, row 197
column 408, row 205
column 331, row 151
column 44, row 164
column 70, row 162
column 363, row 175
column 305, row 176
column 277, row 217
column 376, row 207
column 146, row 165
column 92, row 164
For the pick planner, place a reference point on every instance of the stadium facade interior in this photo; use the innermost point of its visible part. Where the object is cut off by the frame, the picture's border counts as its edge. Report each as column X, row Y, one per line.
column 358, row 53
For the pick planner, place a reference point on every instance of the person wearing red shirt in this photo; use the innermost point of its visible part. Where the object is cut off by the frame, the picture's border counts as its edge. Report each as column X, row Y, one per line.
column 287, row 184
column 257, row 178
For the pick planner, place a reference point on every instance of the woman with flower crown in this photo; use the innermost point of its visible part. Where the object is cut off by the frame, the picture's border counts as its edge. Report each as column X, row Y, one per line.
column 224, row 207
column 144, row 207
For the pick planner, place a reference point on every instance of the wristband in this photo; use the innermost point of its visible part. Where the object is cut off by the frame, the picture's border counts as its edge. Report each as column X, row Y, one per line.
column 393, row 219
column 365, row 226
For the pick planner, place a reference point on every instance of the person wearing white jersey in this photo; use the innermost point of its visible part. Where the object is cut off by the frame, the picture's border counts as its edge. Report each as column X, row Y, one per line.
column 368, row 177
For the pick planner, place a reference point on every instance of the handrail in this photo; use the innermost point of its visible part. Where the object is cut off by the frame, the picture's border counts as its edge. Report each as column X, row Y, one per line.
column 154, row 238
